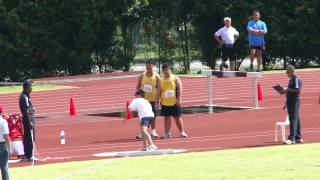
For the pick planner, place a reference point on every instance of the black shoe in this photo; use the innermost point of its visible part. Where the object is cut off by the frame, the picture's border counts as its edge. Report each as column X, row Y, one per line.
column 25, row 159
column 221, row 68
column 224, row 67
column 251, row 67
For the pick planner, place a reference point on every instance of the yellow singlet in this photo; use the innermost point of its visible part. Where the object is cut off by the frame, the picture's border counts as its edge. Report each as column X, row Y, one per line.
column 149, row 86
column 168, row 94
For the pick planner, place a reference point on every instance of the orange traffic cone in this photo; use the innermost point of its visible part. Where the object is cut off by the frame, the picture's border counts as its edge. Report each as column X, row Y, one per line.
column 259, row 92
column 129, row 113
column 73, row 111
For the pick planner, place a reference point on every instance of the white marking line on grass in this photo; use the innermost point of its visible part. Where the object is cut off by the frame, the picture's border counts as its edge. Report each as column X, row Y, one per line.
column 84, row 171
column 281, row 162
column 139, row 153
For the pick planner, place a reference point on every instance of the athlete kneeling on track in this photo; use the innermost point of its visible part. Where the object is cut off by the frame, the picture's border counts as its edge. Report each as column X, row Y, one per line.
column 146, row 116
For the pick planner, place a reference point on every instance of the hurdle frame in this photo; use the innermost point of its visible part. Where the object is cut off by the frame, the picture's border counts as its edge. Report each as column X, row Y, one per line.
column 253, row 75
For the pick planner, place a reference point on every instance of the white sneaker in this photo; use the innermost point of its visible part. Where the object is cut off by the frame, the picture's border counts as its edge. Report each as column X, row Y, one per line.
column 154, row 134
column 166, row 136
column 152, row 147
column 139, row 135
column 183, row 135
column 288, row 142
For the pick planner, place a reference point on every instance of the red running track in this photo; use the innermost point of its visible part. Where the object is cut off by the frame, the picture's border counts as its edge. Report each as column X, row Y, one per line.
column 87, row 135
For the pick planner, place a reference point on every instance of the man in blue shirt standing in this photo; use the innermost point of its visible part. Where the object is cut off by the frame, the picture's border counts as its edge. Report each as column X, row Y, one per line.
column 256, row 31
column 293, row 105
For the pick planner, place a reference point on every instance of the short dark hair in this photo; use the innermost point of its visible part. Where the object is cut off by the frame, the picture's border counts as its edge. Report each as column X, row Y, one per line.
column 149, row 61
column 140, row 93
column 255, row 11
column 164, row 66
column 27, row 84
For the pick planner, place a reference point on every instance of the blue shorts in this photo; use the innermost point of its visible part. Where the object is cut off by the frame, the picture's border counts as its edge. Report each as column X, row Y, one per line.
column 257, row 47
column 146, row 121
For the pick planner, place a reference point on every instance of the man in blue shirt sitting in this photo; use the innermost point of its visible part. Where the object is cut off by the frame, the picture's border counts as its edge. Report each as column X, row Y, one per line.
column 256, row 31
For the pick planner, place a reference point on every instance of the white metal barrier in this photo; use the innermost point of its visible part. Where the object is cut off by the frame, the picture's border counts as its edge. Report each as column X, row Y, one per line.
column 253, row 75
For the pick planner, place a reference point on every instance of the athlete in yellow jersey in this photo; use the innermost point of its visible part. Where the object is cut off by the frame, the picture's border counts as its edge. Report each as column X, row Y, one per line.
column 169, row 94
column 148, row 82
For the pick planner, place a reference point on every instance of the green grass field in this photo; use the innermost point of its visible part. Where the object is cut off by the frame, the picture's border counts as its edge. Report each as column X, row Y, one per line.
column 277, row 162
column 35, row 87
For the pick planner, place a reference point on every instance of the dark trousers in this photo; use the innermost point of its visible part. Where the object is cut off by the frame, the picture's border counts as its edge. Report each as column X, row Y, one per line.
column 27, row 139
column 4, row 157
column 228, row 52
column 293, row 108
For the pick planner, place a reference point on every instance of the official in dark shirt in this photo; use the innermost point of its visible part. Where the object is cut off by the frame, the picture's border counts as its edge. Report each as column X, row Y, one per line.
column 27, row 111
column 293, row 105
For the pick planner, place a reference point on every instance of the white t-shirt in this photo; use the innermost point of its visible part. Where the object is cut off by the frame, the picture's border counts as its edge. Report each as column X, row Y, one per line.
column 142, row 106
column 4, row 129
column 227, row 34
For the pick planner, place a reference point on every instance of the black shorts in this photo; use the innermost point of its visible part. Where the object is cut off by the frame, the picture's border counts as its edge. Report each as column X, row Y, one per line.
column 227, row 52
column 257, row 47
column 153, row 105
column 174, row 111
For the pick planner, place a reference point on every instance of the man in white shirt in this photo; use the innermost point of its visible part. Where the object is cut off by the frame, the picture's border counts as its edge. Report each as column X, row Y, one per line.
column 146, row 116
column 4, row 146
column 227, row 36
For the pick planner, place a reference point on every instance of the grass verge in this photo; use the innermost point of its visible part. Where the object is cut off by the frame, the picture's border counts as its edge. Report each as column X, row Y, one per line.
column 35, row 87
column 277, row 162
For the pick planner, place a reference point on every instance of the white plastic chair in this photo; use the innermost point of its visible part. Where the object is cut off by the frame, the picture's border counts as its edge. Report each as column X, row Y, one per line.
column 282, row 125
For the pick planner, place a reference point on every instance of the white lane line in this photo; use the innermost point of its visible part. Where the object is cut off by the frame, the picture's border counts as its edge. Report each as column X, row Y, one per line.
column 187, row 140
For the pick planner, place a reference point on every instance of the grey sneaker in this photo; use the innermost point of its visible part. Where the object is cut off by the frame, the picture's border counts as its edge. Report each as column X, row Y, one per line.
column 166, row 136
column 154, row 134
column 152, row 147
column 299, row 141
